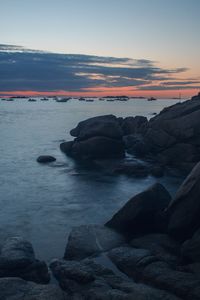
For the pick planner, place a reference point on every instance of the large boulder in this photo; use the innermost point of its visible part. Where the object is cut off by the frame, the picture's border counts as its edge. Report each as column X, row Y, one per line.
column 18, row 289
column 132, row 125
column 87, row 240
column 97, row 147
column 184, row 210
column 17, row 259
column 143, row 213
column 106, row 126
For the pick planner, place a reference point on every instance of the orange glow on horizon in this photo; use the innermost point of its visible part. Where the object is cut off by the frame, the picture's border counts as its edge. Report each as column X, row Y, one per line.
column 105, row 91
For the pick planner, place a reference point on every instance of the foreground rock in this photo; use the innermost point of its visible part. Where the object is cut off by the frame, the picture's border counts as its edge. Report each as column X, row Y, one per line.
column 184, row 210
column 89, row 280
column 18, row 289
column 144, row 261
column 144, row 213
column 88, row 240
column 17, row 259
column 45, row 159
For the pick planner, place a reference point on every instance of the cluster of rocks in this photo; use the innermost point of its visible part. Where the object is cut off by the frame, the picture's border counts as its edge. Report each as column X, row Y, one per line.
column 149, row 250
column 170, row 138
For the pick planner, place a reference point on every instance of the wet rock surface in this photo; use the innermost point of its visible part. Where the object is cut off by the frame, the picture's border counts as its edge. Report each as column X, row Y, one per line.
column 17, row 259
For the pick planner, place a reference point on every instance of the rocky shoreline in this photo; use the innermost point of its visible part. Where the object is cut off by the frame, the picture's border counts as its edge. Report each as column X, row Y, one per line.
column 150, row 248
column 169, row 139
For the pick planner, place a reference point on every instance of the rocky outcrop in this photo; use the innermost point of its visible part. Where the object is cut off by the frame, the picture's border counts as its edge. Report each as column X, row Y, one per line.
column 143, row 213
column 17, row 259
column 106, row 126
column 139, row 262
column 174, row 135
column 170, row 138
column 184, row 210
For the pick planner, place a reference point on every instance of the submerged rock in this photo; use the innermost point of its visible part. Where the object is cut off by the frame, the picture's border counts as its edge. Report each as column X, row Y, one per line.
column 45, row 159
column 142, row 213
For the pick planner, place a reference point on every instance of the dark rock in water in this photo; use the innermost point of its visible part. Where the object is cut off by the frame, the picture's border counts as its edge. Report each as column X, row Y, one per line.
column 98, row 147
column 161, row 245
column 142, row 213
column 18, row 289
column 17, row 259
column 66, row 147
column 106, row 126
column 184, row 210
column 87, row 240
column 190, row 249
column 45, row 159
column 132, row 125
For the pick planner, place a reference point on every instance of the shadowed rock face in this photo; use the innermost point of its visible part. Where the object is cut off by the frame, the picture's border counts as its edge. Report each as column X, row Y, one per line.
column 17, row 259
column 142, row 213
column 184, row 210
column 18, row 289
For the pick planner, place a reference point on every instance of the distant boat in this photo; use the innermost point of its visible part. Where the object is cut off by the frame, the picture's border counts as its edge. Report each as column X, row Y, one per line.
column 3, row 99
column 101, row 99
column 89, row 100
column 62, row 100
column 44, row 99
column 32, row 100
column 10, row 99
column 81, row 99
column 151, row 99
column 110, row 100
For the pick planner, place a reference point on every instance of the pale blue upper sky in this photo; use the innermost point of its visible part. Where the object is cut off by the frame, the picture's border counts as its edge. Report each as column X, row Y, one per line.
column 165, row 31
column 160, row 36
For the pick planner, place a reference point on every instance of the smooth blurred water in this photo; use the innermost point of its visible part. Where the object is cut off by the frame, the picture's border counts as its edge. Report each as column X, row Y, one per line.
column 43, row 202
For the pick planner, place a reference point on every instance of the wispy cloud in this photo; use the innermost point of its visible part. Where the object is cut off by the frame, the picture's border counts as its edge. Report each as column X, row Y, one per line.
column 25, row 69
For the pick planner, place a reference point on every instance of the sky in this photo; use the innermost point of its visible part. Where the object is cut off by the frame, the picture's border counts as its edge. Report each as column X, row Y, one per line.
column 100, row 47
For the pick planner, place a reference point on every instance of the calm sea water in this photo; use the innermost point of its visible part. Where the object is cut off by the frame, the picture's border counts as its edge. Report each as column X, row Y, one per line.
column 43, row 202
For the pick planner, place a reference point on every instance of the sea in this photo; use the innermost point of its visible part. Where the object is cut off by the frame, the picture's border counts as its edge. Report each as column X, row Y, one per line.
column 43, row 202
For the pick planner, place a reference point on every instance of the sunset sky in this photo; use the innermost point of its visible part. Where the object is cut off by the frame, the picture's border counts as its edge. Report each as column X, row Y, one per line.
column 100, row 47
